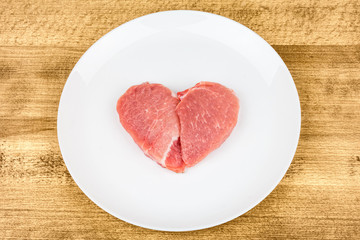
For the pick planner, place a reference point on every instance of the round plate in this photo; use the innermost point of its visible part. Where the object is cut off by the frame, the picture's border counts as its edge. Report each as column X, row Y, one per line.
column 179, row 49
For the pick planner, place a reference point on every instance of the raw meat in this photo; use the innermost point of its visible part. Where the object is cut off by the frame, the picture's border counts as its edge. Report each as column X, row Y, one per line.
column 208, row 112
column 147, row 112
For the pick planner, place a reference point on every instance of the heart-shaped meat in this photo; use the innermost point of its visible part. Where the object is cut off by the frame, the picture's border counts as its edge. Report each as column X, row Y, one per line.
column 208, row 112
column 178, row 133
column 147, row 112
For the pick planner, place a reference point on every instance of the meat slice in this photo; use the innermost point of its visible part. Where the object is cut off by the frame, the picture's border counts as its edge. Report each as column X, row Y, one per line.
column 208, row 112
column 147, row 112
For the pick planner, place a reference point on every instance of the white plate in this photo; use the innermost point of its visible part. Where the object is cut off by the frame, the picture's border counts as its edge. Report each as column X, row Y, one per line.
column 179, row 49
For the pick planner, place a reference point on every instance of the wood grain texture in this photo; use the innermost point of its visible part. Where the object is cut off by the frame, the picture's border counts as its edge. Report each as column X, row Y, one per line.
column 40, row 42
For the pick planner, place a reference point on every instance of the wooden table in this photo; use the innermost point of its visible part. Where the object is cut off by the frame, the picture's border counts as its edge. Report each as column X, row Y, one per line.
column 40, row 42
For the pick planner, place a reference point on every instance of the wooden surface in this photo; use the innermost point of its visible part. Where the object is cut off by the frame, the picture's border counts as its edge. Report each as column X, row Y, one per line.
column 40, row 42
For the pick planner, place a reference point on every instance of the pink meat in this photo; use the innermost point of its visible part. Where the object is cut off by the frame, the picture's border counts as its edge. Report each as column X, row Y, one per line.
column 208, row 112
column 147, row 112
